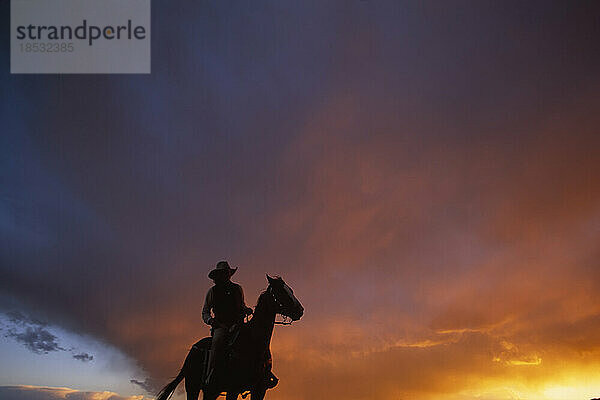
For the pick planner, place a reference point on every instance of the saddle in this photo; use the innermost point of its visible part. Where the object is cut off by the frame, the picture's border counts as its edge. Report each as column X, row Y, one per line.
column 200, row 349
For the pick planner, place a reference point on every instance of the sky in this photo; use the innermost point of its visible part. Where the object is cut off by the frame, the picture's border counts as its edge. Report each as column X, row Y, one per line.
column 423, row 175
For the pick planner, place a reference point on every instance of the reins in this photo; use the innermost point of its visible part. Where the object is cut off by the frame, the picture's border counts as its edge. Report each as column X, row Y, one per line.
column 286, row 321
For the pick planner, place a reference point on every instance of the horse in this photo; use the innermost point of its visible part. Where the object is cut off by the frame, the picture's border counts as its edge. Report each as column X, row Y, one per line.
column 248, row 359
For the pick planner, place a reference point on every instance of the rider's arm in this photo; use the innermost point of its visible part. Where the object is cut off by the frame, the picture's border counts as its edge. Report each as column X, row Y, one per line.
column 208, row 303
column 243, row 306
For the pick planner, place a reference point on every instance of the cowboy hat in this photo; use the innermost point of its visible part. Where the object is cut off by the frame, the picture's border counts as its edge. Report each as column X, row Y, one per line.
column 222, row 266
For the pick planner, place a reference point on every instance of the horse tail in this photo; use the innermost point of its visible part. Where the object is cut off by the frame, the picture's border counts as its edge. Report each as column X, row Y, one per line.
column 168, row 390
column 188, row 365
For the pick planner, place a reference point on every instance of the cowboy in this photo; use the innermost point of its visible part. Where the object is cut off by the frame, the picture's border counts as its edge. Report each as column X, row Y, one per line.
column 226, row 301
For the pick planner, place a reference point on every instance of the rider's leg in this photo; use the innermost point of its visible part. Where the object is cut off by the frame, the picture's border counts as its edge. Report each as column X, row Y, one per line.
column 258, row 393
column 216, row 351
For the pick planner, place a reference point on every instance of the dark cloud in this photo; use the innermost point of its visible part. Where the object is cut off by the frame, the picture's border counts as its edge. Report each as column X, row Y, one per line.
column 19, row 318
column 148, row 385
column 36, row 336
column 36, row 339
column 85, row 357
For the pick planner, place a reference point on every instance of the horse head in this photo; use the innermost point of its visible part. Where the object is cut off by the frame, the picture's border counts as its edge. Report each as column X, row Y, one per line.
column 286, row 303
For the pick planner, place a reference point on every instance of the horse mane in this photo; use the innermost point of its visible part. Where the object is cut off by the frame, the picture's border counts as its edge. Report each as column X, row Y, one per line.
column 261, row 298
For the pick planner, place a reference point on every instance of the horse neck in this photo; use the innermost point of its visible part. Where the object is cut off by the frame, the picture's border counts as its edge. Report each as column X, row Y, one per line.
column 263, row 319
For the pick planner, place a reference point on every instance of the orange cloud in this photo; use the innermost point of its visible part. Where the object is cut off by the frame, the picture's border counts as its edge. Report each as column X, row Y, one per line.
column 27, row 392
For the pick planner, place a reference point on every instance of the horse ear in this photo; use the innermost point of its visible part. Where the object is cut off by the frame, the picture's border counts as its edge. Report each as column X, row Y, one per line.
column 271, row 280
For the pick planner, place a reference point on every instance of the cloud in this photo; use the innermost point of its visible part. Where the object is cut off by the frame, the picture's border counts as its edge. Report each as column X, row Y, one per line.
column 36, row 339
column 148, row 385
column 54, row 393
column 85, row 357
column 19, row 318
column 32, row 334
column 35, row 335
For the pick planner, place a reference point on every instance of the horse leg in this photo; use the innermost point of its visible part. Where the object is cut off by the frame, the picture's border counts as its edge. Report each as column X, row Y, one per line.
column 258, row 394
column 210, row 395
column 192, row 390
column 232, row 396
column 192, row 395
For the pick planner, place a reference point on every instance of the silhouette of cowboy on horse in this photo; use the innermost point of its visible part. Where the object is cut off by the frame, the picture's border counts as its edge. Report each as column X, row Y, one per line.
column 226, row 300
column 236, row 359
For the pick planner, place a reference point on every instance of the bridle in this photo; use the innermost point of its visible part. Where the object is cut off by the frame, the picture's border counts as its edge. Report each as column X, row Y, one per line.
column 286, row 320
